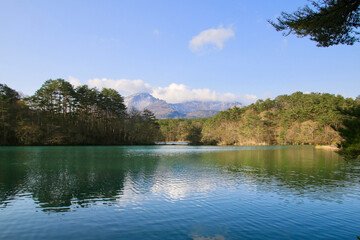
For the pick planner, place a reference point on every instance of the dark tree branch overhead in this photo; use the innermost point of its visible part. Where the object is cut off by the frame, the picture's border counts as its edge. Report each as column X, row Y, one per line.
column 328, row 22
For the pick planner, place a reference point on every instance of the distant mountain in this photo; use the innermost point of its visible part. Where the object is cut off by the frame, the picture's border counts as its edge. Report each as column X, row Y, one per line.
column 139, row 101
column 194, row 106
column 201, row 114
column 162, row 109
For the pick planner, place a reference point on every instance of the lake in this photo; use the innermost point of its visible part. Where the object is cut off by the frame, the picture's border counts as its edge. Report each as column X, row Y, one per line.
column 177, row 192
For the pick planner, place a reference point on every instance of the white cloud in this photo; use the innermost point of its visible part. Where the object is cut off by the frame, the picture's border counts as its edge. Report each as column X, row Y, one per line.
column 213, row 37
column 74, row 81
column 124, row 86
column 173, row 93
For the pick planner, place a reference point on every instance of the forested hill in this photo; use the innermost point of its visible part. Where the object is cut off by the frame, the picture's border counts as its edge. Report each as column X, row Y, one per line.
column 288, row 119
column 58, row 114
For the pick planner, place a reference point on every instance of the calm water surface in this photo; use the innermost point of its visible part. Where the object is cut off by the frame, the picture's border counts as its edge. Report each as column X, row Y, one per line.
column 177, row 192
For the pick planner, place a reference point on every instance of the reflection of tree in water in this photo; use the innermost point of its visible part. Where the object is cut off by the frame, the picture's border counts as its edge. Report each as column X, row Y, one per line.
column 12, row 175
column 304, row 171
column 60, row 177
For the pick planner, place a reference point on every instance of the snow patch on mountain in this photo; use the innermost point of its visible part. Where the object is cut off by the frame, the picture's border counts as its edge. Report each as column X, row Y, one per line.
column 162, row 109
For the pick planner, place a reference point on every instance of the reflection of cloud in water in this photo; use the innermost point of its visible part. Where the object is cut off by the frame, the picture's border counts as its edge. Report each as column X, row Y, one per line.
column 177, row 190
column 129, row 197
column 165, row 186
column 177, row 185
column 175, row 149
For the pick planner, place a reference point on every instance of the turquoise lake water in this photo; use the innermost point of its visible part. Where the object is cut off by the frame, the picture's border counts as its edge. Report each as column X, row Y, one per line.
column 177, row 192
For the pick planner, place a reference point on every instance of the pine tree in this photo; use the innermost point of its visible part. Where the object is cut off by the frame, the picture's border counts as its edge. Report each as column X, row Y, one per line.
column 328, row 22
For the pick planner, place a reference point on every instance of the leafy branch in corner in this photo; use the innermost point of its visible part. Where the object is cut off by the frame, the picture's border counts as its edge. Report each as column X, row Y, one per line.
column 328, row 22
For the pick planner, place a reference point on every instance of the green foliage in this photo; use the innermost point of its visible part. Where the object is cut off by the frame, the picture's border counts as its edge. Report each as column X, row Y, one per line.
column 328, row 22
column 350, row 132
column 174, row 130
column 8, row 105
column 288, row 119
column 295, row 119
column 58, row 114
column 150, row 127
column 194, row 135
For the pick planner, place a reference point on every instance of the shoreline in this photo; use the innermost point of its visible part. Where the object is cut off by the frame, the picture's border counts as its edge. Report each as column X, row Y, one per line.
column 179, row 143
column 327, row 147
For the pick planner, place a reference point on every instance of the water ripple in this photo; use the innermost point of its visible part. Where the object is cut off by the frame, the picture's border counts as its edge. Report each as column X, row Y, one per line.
column 177, row 192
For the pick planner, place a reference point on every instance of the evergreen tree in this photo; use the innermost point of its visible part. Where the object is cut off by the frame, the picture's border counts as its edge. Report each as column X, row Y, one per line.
column 58, row 114
column 194, row 136
column 350, row 132
column 8, row 100
column 328, row 22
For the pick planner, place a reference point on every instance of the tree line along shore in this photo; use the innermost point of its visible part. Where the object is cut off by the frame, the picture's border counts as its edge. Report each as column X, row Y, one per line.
column 59, row 114
column 296, row 119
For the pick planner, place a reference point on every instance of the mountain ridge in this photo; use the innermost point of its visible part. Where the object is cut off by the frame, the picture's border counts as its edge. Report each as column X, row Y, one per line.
column 190, row 109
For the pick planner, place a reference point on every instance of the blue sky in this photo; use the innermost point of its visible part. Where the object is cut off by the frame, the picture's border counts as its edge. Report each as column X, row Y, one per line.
column 176, row 50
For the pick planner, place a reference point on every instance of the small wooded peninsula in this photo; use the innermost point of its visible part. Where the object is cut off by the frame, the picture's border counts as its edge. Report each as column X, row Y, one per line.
column 59, row 114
